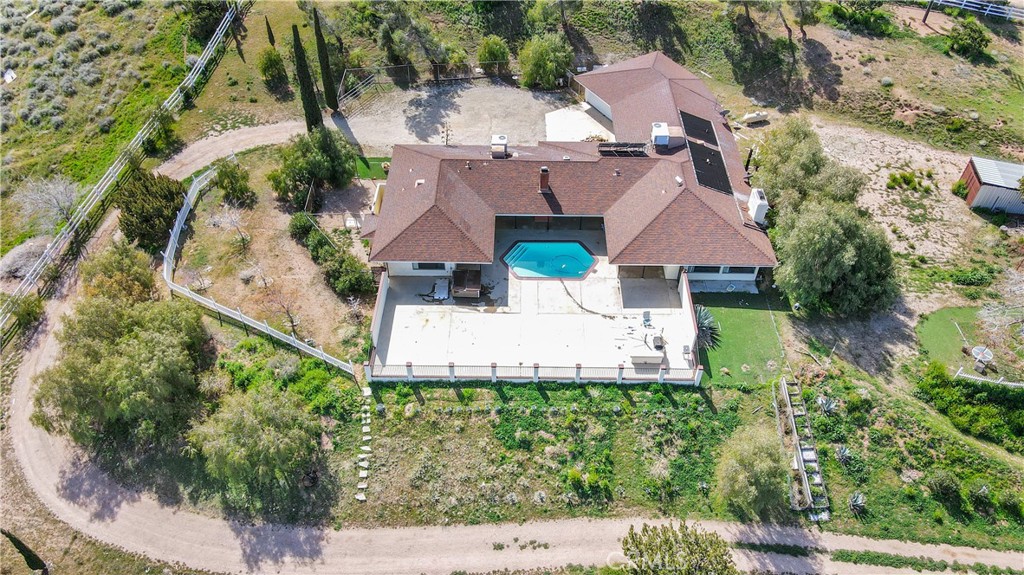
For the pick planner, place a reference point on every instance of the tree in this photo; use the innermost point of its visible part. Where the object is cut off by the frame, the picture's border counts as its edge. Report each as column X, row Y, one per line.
column 307, row 91
column 271, row 67
column 835, row 260
column 234, row 180
column 263, row 438
column 270, row 32
column 50, row 202
column 326, row 75
column 205, row 16
column 162, row 137
column 322, row 157
column 751, row 474
column 968, row 38
column 543, row 16
column 119, row 272
column 149, row 204
column 681, row 551
column 806, row 14
column 493, row 54
column 544, row 59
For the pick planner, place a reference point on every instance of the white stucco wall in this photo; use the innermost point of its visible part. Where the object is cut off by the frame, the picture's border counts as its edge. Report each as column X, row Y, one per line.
column 406, row 269
column 672, row 272
column 599, row 104
column 723, row 276
column 1002, row 199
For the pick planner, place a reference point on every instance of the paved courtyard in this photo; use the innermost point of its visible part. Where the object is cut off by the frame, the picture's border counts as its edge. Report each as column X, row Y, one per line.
column 596, row 322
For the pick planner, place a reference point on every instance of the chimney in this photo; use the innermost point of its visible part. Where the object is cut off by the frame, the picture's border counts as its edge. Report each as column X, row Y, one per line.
column 545, row 184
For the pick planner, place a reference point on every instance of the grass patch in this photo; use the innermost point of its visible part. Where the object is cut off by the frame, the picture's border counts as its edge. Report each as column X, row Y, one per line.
column 938, row 335
column 778, row 548
column 920, row 563
column 750, row 350
column 371, row 168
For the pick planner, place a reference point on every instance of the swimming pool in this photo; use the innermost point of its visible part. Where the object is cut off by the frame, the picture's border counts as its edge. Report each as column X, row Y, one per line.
column 549, row 260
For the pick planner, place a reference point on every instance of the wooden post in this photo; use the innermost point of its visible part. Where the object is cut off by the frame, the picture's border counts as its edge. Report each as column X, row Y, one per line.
column 927, row 11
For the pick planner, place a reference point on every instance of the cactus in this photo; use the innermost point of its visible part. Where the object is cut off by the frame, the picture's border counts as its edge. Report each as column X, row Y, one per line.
column 858, row 503
column 827, row 405
column 843, row 454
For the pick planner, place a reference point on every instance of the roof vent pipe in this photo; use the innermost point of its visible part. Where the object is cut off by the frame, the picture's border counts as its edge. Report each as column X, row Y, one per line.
column 679, row 181
column 545, row 182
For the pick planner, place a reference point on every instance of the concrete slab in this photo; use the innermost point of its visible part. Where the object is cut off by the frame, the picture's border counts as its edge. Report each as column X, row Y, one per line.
column 577, row 123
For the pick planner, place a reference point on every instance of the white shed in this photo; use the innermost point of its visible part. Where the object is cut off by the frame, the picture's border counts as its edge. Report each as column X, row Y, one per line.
column 994, row 185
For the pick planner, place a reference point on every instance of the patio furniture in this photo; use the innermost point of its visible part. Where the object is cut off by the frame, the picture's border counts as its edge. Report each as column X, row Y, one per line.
column 466, row 281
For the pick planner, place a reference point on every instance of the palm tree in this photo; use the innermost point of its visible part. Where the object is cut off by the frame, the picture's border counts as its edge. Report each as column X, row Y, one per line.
column 827, row 405
column 858, row 503
column 708, row 330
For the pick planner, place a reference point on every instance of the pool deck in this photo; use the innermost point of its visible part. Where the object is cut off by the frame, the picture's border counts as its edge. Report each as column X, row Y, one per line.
column 596, row 322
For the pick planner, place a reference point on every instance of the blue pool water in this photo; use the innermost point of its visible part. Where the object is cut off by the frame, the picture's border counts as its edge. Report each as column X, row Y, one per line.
column 549, row 260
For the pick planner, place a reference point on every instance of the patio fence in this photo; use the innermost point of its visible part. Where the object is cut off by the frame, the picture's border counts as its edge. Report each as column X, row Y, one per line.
column 622, row 374
column 80, row 218
column 198, row 185
column 960, row 373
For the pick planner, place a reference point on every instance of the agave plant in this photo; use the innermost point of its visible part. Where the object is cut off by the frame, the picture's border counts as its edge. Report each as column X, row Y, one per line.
column 827, row 405
column 858, row 503
column 708, row 330
column 843, row 454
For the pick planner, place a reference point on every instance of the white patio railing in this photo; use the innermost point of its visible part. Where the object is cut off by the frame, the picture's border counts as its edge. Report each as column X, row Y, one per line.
column 621, row 374
column 99, row 192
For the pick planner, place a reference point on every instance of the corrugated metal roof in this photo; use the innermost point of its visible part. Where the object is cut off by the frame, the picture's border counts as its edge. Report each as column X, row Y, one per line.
column 996, row 173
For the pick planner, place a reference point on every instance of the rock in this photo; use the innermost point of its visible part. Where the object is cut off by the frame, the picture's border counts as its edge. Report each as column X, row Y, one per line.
column 361, row 485
column 366, row 429
column 936, row 109
column 866, row 70
column 365, row 448
column 886, row 81
column 974, row 116
column 360, row 497
column 364, row 464
column 983, row 143
column 540, row 497
column 363, row 474
column 366, row 438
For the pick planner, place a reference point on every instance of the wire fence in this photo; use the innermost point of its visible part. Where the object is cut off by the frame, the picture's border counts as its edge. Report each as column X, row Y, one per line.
column 199, row 184
column 55, row 250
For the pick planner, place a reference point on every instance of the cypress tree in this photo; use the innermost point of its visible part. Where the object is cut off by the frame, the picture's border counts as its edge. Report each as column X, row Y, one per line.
column 306, row 90
column 330, row 91
column 270, row 33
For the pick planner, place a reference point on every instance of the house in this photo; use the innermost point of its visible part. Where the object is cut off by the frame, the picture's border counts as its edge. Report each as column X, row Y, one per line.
column 576, row 259
column 994, row 185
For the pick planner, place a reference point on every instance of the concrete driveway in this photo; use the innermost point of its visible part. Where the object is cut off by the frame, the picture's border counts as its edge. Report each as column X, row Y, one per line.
column 577, row 123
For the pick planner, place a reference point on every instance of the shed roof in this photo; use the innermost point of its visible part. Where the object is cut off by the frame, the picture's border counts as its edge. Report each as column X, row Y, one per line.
column 998, row 173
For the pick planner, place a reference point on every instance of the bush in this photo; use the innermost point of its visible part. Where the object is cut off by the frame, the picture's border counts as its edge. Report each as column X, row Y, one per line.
column 493, row 54
column 944, row 487
column 960, row 189
column 968, row 38
column 752, row 472
column 149, row 204
column 272, row 69
column 234, row 180
column 544, row 59
column 27, row 309
column 299, row 226
column 322, row 157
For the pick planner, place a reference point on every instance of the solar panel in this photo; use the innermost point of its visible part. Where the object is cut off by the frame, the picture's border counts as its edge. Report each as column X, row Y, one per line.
column 698, row 128
column 620, row 149
column 710, row 168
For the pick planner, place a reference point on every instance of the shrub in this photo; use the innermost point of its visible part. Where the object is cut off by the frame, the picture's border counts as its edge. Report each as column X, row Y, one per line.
column 493, row 54
column 544, row 60
column 149, row 204
column 272, row 69
column 234, row 180
column 752, row 471
column 960, row 189
column 944, row 486
column 968, row 38
column 63, row 24
column 322, row 157
column 105, row 124
column 27, row 309
column 300, row 226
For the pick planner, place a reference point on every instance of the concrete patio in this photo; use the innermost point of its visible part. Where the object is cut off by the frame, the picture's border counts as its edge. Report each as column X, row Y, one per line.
column 596, row 322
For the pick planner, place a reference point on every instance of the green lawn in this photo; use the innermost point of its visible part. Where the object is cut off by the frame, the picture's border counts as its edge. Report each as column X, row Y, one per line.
column 370, row 168
column 750, row 348
column 938, row 336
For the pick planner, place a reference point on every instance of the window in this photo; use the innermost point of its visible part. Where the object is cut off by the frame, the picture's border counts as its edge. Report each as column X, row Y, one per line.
column 738, row 270
column 704, row 269
column 428, row 266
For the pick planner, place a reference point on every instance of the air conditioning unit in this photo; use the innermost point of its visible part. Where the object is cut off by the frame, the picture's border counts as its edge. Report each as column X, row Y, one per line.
column 757, row 205
column 499, row 147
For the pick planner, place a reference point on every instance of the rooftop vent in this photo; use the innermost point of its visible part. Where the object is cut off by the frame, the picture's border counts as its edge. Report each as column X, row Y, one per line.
column 545, row 181
column 566, row 158
column 499, row 147
column 679, row 181
column 757, row 206
column 618, row 172
column 420, row 182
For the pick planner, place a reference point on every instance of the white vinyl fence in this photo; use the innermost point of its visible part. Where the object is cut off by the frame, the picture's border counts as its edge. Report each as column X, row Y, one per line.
column 986, row 8
column 198, row 185
column 106, row 184
column 960, row 373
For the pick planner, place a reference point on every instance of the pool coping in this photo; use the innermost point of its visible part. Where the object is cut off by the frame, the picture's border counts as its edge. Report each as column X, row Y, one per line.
column 589, row 270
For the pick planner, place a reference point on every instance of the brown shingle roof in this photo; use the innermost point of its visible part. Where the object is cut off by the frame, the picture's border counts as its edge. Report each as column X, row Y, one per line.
column 441, row 201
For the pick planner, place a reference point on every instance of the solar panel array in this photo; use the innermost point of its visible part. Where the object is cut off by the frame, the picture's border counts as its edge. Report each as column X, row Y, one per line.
column 710, row 167
column 698, row 128
column 625, row 150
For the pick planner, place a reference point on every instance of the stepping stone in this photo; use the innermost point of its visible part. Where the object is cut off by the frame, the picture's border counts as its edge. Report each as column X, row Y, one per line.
column 367, row 392
column 363, row 474
column 365, row 448
column 360, row 497
column 361, row 485
column 366, row 429
column 364, row 464
column 363, row 456
column 366, row 438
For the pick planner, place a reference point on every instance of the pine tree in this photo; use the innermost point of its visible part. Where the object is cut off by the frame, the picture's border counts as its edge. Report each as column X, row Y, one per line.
column 148, row 205
column 306, row 90
column 270, row 33
column 330, row 91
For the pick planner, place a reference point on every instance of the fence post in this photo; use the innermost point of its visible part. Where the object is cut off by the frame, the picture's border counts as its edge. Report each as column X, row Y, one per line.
column 494, row 372
column 245, row 325
column 618, row 378
column 272, row 338
column 579, row 368
column 408, row 371
column 451, row 371
column 536, row 372
column 367, row 372
column 700, row 374
column 661, row 374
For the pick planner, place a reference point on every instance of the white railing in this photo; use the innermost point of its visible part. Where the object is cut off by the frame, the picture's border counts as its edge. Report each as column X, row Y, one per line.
column 198, row 185
column 106, row 183
column 622, row 374
column 985, row 8
column 960, row 373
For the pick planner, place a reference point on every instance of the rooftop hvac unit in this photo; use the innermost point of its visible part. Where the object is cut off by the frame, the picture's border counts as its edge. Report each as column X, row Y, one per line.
column 499, row 147
column 757, row 205
column 659, row 133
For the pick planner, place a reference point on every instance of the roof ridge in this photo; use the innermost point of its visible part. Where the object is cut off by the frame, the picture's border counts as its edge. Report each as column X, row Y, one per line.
column 437, row 204
column 740, row 228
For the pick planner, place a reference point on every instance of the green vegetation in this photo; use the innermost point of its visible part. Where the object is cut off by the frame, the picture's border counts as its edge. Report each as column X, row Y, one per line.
column 751, row 473
column 371, row 168
column 271, row 67
column 324, row 58
column 988, row 411
column 493, row 54
column 343, row 271
column 940, row 338
column 149, row 205
column 864, row 17
column 233, row 179
column 119, row 272
column 27, row 310
column 307, row 91
column 916, row 563
column 683, row 550
column 544, row 59
column 321, row 158
column 968, row 38
column 750, row 351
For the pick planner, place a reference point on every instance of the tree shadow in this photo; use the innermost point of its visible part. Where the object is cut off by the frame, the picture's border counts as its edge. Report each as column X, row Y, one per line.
column 824, row 75
column 86, row 485
column 782, row 536
column 238, row 34
column 426, row 114
column 403, row 76
column 543, row 392
column 32, row 560
column 763, row 65
column 660, row 31
column 581, row 47
column 268, row 543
